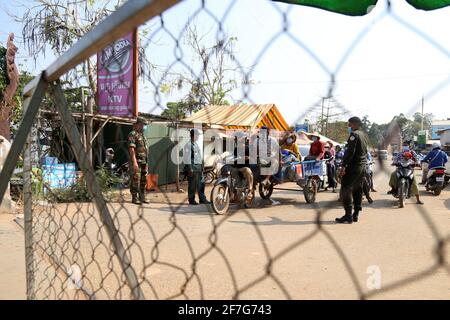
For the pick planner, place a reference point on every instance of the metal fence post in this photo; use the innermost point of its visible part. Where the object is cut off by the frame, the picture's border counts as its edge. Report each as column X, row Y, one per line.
column 94, row 189
column 28, row 214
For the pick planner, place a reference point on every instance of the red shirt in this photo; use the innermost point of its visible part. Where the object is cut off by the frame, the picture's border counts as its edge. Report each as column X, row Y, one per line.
column 317, row 149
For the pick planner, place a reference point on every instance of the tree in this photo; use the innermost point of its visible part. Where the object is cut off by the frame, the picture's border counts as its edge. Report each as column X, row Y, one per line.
column 331, row 111
column 338, row 131
column 56, row 25
column 377, row 132
column 175, row 110
column 218, row 76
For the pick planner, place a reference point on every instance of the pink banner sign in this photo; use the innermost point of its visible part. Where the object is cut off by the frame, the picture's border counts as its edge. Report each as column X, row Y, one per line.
column 116, row 78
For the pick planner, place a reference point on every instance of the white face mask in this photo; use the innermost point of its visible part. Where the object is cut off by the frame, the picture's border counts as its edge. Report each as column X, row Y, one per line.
column 314, row 139
column 289, row 140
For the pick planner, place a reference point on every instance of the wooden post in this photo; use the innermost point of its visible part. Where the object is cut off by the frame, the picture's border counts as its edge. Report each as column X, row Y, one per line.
column 89, row 128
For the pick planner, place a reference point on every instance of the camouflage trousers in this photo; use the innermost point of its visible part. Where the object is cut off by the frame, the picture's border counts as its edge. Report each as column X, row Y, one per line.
column 138, row 180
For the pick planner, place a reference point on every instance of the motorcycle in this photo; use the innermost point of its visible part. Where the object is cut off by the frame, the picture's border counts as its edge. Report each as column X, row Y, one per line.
column 121, row 171
column 232, row 187
column 405, row 175
column 211, row 172
column 338, row 164
column 369, row 174
column 437, row 181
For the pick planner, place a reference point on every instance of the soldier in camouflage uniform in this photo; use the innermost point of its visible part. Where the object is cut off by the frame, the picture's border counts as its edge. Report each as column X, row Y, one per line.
column 138, row 152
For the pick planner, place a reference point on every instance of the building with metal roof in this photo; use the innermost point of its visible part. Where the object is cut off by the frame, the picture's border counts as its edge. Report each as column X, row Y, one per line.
column 241, row 116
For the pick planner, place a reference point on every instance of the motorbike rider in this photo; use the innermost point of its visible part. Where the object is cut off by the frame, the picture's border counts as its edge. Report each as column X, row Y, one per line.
column 245, row 168
column 339, row 152
column 436, row 158
column 405, row 154
column 261, row 143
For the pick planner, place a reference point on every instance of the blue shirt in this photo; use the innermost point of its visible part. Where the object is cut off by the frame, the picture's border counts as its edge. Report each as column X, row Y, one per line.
column 437, row 157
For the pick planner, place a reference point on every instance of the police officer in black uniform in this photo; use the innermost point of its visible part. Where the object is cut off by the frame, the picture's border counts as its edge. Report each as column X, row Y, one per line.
column 353, row 171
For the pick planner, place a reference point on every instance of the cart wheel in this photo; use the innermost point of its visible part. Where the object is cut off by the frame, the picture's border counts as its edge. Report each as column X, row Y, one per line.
column 310, row 190
column 265, row 191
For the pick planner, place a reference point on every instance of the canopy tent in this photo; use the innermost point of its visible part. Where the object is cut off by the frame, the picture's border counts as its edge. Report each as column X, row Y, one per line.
column 302, row 138
column 241, row 116
column 363, row 7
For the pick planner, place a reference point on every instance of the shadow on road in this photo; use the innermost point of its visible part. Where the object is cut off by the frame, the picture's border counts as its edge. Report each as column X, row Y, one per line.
column 277, row 221
column 447, row 203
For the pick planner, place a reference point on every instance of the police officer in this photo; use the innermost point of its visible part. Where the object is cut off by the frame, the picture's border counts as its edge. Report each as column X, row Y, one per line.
column 194, row 168
column 353, row 171
column 138, row 153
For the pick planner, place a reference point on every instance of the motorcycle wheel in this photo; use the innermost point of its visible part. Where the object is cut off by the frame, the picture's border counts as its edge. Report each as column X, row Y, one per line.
column 220, row 199
column 310, row 190
column 401, row 194
column 437, row 191
column 265, row 191
column 125, row 179
column 209, row 177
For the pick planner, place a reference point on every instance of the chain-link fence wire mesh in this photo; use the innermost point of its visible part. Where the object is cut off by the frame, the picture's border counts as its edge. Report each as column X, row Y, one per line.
column 74, row 257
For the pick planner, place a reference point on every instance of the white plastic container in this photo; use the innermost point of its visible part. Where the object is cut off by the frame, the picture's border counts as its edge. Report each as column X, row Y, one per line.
column 7, row 205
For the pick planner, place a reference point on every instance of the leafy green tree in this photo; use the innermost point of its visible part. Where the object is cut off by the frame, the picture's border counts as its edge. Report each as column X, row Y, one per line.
column 56, row 25
column 338, row 131
column 219, row 73
column 175, row 110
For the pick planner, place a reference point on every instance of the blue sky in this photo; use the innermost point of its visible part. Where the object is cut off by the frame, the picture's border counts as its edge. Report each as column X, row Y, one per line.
column 385, row 74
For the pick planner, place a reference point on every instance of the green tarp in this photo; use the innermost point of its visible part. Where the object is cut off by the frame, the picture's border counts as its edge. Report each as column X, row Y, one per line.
column 362, row 7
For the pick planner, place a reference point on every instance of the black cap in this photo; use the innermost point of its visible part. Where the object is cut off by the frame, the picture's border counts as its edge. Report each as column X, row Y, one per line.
column 356, row 120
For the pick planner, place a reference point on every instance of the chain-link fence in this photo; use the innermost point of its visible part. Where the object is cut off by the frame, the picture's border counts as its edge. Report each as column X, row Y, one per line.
column 84, row 237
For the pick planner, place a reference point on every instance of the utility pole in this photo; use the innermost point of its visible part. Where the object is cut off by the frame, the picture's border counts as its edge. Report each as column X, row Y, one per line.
column 421, row 122
column 328, row 117
column 321, row 117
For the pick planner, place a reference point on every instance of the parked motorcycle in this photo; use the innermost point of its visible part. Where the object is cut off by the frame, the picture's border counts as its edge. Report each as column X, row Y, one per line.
column 405, row 175
column 369, row 173
column 437, row 181
column 212, row 172
column 121, row 171
column 232, row 187
column 338, row 164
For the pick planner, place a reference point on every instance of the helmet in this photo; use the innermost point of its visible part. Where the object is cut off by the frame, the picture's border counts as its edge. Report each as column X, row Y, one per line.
column 436, row 145
column 407, row 155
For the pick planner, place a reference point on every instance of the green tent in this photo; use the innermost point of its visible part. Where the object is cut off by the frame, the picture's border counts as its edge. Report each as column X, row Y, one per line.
column 362, row 7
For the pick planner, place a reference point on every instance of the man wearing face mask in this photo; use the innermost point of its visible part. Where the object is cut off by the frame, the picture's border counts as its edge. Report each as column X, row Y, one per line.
column 138, row 154
column 353, row 171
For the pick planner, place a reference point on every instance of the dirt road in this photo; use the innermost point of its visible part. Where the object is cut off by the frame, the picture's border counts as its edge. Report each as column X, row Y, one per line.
column 273, row 251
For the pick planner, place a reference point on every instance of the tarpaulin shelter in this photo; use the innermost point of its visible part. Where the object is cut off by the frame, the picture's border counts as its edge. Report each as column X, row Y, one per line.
column 363, row 7
column 302, row 138
column 241, row 116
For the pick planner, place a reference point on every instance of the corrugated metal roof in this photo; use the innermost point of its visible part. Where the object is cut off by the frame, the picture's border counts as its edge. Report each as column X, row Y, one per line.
column 241, row 116
column 440, row 123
